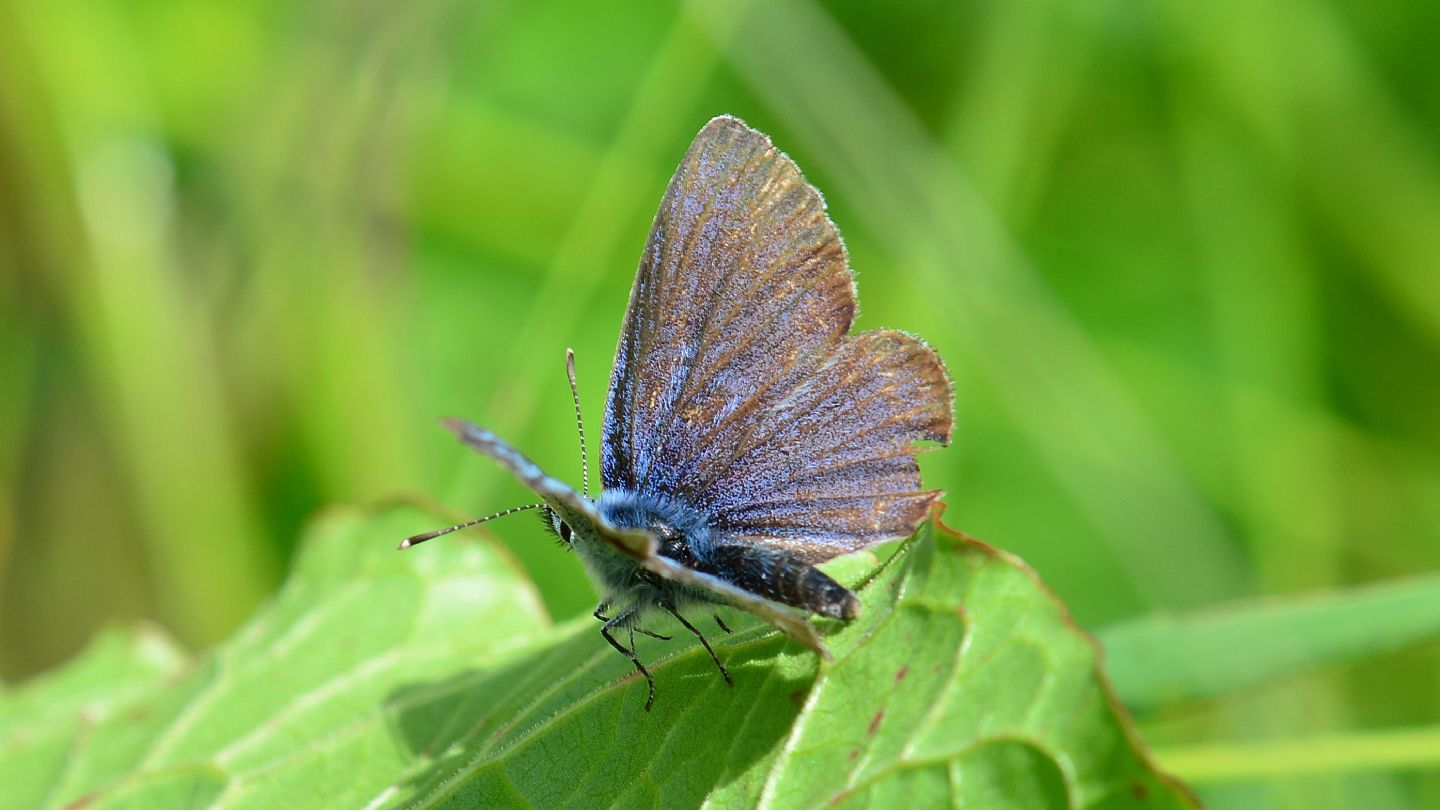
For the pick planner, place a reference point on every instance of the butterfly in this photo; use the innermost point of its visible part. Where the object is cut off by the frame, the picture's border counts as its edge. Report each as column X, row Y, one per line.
column 748, row 436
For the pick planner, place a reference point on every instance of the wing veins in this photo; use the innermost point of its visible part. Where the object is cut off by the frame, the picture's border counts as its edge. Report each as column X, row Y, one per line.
column 729, row 358
column 747, row 445
column 841, row 497
column 670, row 277
column 701, row 339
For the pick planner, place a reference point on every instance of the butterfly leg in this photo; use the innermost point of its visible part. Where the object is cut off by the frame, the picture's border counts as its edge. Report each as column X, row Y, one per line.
column 623, row 619
column 688, row 626
column 600, row 614
column 721, row 622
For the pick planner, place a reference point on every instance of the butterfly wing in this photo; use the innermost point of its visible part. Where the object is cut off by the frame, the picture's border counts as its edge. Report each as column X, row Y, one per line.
column 737, row 387
column 578, row 511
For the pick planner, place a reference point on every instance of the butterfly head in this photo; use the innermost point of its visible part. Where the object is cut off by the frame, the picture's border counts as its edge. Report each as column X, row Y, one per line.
column 557, row 526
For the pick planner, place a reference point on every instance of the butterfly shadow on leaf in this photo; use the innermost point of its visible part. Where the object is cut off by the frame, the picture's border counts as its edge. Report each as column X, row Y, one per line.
column 561, row 724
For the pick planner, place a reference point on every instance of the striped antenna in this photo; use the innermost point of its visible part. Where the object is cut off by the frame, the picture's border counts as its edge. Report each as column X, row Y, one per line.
column 420, row 538
column 579, row 423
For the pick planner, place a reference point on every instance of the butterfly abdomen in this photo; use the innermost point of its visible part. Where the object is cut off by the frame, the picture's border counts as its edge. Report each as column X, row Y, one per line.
column 778, row 576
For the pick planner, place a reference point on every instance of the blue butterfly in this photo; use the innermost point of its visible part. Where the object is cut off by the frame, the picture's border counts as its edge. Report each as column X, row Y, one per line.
column 748, row 436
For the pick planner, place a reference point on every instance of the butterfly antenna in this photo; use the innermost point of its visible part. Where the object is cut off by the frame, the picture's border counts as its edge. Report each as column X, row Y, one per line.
column 579, row 422
column 420, row 538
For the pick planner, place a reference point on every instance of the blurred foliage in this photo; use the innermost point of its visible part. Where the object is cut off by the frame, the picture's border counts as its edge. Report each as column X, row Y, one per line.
column 1183, row 260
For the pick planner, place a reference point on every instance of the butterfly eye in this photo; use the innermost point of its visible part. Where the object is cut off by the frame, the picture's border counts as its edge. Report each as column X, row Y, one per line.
column 565, row 532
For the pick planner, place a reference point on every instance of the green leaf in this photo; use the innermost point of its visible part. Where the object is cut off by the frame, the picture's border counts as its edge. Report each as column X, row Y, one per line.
column 1165, row 660
column 432, row 678
column 41, row 725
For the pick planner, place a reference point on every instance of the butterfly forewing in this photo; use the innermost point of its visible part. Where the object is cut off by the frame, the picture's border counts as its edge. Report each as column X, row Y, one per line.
column 573, row 508
column 742, row 280
column 737, row 388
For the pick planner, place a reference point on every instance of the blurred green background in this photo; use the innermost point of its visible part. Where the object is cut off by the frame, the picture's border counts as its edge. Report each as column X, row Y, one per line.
column 1183, row 260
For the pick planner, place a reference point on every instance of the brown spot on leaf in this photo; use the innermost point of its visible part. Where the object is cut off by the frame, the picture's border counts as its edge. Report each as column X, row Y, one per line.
column 875, row 721
column 900, row 676
column 1139, row 791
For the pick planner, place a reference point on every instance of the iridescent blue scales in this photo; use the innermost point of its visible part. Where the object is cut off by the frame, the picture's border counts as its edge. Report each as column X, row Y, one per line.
column 748, row 435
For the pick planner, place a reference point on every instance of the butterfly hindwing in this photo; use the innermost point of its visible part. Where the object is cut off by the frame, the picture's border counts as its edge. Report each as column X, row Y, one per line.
column 833, row 469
